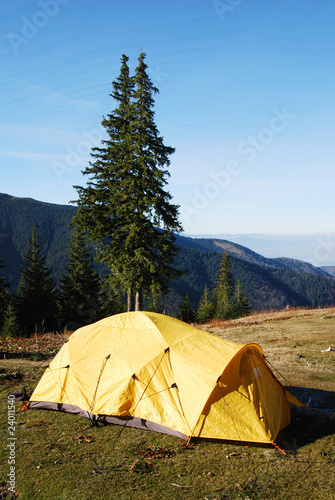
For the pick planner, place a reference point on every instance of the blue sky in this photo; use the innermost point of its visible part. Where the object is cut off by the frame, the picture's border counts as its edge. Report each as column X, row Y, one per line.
column 246, row 98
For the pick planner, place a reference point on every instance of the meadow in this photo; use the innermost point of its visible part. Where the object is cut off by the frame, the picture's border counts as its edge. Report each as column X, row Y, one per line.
column 61, row 456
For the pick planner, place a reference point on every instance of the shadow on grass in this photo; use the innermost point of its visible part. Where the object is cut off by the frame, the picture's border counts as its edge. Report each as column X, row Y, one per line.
column 308, row 425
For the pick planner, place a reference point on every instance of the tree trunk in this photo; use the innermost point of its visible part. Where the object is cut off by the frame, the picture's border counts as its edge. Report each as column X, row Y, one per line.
column 130, row 301
column 138, row 300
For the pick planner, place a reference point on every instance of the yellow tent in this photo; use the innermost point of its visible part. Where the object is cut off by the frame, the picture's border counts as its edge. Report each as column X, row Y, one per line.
column 148, row 370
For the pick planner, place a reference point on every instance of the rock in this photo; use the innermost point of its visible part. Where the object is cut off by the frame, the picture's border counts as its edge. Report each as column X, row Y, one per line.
column 20, row 395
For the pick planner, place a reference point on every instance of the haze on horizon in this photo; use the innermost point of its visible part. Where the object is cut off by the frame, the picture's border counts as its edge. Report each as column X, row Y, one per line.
column 246, row 98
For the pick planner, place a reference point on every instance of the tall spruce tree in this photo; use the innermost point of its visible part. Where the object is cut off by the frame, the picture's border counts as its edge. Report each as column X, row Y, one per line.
column 80, row 286
column 36, row 298
column 124, row 208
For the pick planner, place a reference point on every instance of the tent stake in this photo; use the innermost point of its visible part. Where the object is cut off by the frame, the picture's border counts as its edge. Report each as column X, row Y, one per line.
column 279, row 449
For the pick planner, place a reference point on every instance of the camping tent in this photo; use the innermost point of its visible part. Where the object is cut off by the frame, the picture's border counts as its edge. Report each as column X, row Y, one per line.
column 151, row 371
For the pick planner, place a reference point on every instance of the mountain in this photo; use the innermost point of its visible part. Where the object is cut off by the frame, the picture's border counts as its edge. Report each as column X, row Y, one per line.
column 329, row 269
column 268, row 283
column 241, row 252
column 318, row 250
column 265, row 287
column 17, row 216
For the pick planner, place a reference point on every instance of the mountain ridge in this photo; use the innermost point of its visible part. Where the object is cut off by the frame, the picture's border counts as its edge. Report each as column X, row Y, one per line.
column 316, row 249
column 242, row 252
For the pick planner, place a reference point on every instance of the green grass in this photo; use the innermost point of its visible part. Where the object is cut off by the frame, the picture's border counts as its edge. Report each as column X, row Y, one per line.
column 61, row 456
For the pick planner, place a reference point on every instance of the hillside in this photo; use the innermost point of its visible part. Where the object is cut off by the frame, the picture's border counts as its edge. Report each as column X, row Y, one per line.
column 295, row 341
column 241, row 252
column 268, row 283
column 329, row 269
column 265, row 287
column 17, row 216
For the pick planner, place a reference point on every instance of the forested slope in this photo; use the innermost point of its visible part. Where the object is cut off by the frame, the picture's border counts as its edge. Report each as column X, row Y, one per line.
column 267, row 283
column 52, row 223
column 264, row 287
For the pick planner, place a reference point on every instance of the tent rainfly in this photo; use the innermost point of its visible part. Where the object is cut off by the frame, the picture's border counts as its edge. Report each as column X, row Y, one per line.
column 154, row 372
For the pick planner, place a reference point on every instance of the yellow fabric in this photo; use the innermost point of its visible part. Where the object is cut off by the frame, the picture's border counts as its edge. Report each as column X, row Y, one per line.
column 293, row 400
column 157, row 368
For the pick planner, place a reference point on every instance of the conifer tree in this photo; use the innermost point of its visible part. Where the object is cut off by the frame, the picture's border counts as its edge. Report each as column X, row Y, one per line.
column 242, row 305
column 80, row 286
column 186, row 311
column 11, row 325
column 225, row 306
column 124, row 208
column 206, row 307
column 36, row 298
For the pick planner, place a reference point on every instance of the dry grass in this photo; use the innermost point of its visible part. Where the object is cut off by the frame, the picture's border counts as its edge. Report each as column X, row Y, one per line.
column 292, row 341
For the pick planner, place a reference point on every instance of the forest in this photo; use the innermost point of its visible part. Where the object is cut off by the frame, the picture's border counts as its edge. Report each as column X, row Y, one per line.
column 265, row 284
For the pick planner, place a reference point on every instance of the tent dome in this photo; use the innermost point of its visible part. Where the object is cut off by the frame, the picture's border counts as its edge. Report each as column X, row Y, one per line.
column 149, row 370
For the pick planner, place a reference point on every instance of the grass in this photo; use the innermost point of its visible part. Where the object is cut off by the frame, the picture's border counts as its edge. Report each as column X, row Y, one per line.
column 292, row 341
column 61, row 456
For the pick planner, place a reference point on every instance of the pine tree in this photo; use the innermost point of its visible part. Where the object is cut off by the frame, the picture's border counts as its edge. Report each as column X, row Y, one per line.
column 242, row 305
column 80, row 286
column 11, row 325
column 206, row 307
column 36, row 299
column 186, row 311
column 225, row 306
column 124, row 208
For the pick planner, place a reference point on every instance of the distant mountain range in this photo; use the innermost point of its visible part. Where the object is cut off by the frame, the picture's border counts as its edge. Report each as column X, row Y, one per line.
column 329, row 269
column 269, row 283
column 241, row 252
column 318, row 250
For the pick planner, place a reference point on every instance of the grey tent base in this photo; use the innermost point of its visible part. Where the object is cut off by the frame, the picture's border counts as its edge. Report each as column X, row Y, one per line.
column 138, row 423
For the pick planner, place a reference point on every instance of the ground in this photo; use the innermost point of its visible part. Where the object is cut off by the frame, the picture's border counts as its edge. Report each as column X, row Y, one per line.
column 62, row 456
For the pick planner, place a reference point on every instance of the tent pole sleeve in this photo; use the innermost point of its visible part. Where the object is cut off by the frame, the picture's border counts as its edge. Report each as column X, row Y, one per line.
column 104, row 362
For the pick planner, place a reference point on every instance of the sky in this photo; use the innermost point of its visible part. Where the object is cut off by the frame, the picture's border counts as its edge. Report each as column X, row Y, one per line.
column 246, row 96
